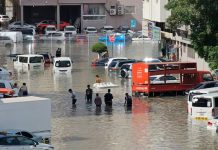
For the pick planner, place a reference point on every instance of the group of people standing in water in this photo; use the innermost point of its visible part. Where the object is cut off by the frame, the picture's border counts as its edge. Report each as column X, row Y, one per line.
column 108, row 97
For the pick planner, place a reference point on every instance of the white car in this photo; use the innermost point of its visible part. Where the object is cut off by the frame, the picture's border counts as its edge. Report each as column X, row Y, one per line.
column 50, row 29
column 126, row 70
column 17, row 24
column 14, row 142
column 70, row 29
column 90, row 30
column 4, row 19
column 141, row 38
column 160, row 79
column 107, row 29
column 54, row 36
column 213, row 123
column 114, row 59
column 5, row 41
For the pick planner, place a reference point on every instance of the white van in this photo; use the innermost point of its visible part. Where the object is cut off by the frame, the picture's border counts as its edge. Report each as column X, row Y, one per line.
column 29, row 61
column 62, row 65
column 204, row 106
column 192, row 93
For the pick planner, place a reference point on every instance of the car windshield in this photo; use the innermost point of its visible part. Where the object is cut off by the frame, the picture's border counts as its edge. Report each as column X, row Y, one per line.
column 36, row 59
column 113, row 64
column 197, row 86
column 51, row 29
column 63, row 63
column 91, row 29
column 5, row 17
column 70, row 29
column 152, row 78
column 27, row 32
column 108, row 28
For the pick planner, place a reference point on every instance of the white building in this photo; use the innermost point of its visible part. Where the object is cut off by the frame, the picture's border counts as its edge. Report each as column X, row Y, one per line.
column 154, row 10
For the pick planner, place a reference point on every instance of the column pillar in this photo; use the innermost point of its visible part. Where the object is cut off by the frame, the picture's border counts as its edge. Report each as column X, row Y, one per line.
column 21, row 14
column 58, row 15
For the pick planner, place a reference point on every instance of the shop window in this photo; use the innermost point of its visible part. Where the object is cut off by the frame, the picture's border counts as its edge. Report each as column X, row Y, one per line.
column 93, row 12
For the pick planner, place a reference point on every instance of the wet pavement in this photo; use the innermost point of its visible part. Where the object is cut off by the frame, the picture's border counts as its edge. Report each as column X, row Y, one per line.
column 152, row 123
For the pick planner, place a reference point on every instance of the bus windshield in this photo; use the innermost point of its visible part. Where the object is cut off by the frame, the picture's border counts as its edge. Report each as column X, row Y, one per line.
column 202, row 102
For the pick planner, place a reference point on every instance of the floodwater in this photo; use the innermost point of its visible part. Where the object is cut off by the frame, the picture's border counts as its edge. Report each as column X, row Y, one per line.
column 153, row 123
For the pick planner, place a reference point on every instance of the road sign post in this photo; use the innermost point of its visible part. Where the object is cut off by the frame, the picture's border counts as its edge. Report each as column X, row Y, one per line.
column 112, row 39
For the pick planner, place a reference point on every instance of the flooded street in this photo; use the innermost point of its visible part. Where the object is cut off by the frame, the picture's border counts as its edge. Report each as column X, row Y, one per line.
column 153, row 123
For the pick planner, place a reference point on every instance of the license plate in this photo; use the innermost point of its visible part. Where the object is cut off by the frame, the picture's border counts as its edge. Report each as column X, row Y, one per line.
column 36, row 66
column 201, row 118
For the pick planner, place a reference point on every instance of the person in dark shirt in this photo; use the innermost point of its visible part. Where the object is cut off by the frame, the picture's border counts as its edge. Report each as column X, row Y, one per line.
column 128, row 100
column 89, row 94
column 108, row 98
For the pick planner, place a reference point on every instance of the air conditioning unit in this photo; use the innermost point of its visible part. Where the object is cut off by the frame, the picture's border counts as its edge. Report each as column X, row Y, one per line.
column 112, row 12
column 120, row 10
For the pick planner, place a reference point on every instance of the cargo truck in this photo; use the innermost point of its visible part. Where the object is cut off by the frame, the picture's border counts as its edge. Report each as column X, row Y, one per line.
column 28, row 113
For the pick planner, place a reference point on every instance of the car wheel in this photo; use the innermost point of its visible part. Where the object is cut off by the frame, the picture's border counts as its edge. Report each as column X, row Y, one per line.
column 124, row 73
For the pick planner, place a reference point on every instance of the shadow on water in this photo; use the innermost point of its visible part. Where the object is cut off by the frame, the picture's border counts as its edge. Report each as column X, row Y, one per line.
column 108, row 110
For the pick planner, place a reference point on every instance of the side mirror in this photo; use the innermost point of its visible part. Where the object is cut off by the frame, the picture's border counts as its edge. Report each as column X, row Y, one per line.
column 14, row 59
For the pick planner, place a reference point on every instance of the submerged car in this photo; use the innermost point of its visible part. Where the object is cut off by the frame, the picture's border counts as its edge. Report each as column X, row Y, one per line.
column 17, row 142
column 119, row 37
column 14, row 132
column 100, row 62
column 213, row 123
column 161, row 79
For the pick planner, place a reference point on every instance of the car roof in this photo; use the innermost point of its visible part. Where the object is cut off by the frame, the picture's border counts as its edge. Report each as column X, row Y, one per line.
column 108, row 26
column 158, row 76
column 29, row 55
column 214, row 89
column 211, row 95
column 208, row 82
column 62, row 58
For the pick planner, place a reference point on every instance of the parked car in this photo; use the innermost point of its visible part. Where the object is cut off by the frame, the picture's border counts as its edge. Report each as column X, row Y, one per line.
column 126, row 70
column 5, row 41
column 48, row 58
column 43, row 24
column 17, row 24
column 70, row 29
column 114, row 59
column 123, row 29
column 116, row 65
column 204, row 85
column 54, row 36
column 90, row 30
column 107, row 29
column 50, row 29
column 81, row 38
column 216, row 74
column 4, row 19
column 160, row 79
column 15, row 132
column 100, row 62
column 27, row 33
column 213, row 123
column 8, row 85
column 20, row 143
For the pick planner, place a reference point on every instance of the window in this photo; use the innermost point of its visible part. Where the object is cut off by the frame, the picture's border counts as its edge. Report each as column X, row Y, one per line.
column 190, row 52
column 26, row 134
column 2, row 85
column 23, row 59
column 25, row 141
column 36, row 59
column 207, row 77
column 216, row 101
column 94, row 12
column 129, row 9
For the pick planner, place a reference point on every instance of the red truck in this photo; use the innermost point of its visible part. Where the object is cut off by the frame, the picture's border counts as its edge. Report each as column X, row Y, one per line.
column 185, row 76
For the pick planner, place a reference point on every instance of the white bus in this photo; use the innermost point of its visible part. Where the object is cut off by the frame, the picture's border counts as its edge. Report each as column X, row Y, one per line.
column 204, row 106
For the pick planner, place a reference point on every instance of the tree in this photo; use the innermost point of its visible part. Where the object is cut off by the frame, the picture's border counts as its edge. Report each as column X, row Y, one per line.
column 99, row 48
column 201, row 17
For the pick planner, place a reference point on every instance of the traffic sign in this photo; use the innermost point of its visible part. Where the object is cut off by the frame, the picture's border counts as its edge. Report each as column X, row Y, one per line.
column 133, row 23
column 112, row 38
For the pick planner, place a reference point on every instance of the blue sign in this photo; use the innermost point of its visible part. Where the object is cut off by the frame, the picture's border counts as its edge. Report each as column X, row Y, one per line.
column 133, row 23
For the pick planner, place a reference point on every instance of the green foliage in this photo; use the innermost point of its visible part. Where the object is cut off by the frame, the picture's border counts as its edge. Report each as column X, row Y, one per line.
column 99, row 48
column 201, row 17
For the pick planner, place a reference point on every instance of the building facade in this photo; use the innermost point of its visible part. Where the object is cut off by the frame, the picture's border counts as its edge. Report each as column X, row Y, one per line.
column 82, row 12
column 180, row 43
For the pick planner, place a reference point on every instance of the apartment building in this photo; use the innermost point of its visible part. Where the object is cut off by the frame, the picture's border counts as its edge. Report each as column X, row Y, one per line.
column 178, row 42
